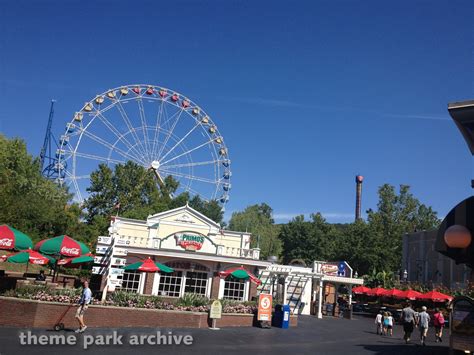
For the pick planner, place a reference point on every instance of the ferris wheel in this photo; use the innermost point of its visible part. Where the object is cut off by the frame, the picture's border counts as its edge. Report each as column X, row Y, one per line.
column 155, row 127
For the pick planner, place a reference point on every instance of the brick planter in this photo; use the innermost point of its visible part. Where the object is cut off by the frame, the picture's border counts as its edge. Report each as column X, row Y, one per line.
column 24, row 313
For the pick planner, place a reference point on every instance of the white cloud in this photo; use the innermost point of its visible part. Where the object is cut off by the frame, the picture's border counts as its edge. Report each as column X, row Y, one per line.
column 339, row 216
column 286, row 103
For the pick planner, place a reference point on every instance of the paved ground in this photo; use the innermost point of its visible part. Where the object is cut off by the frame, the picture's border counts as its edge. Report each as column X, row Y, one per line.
column 312, row 336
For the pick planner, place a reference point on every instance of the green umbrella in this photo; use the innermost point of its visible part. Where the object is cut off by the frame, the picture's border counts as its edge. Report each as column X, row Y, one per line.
column 148, row 265
column 240, row 273
column 79, row 260
column 62, row 246
column 11, row 238
column 26, row 256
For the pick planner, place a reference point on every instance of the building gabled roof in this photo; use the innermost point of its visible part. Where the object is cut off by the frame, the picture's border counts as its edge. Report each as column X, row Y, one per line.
column 190, row 210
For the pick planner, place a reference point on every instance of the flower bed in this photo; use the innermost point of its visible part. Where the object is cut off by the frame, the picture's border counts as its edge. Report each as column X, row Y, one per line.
column 189, row 302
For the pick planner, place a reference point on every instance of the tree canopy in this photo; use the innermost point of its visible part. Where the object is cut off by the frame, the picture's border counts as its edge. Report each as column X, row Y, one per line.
column 132, row 191
column 31, row 202
column 375, row 244
column 257, row 219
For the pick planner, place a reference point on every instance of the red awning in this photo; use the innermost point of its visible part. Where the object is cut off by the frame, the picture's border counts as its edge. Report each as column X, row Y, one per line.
column 392, row 293
column 409, row 294
column 360, row 290
column 378, row 291
column 435, row 296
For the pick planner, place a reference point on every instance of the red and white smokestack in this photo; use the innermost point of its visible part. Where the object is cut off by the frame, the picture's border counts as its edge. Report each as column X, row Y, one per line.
column 359, row 179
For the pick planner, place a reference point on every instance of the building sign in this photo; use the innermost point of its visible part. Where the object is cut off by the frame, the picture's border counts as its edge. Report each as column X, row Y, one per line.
column 104, row 240
column 102, row 249
column 101, row 260
column 123, row 242
column 119, row 261
column 264, row 307
column 189, row 241
column 120, row 252
column 116, row 271
column 329, row 269
column 332, row 268
column 216, row 310
column 184, row 218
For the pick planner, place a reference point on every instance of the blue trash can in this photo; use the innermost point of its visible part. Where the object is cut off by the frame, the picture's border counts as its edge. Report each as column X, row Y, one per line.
column 281, row 318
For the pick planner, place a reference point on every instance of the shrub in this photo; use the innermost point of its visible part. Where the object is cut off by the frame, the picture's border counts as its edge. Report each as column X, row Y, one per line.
column 193, row 300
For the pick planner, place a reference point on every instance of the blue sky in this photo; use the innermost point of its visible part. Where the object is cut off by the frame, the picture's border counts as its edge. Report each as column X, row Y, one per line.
column 307, row 94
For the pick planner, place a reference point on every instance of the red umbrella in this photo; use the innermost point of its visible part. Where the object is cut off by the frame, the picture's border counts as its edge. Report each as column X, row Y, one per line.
column 435, row 296
column 360, row 290
column 409, row 294
column 378, row 291
column 392, row 293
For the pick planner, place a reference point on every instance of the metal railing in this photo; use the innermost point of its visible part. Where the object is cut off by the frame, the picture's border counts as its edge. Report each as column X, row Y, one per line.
column 143, row 242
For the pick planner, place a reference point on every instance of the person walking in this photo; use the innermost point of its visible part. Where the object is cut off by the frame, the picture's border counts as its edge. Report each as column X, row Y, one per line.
column 390, row 324
column 424, row 321
column 83, row 304
column 385, row 323
column 408, row 319
column 438, row 322
column 378, row 322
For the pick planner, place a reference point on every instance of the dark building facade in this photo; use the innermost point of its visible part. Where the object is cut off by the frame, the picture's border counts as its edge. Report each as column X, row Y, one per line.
column 424, row 264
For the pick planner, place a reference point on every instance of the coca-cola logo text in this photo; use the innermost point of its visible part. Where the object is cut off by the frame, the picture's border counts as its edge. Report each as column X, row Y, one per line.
column 70, row 251
column 6, row 242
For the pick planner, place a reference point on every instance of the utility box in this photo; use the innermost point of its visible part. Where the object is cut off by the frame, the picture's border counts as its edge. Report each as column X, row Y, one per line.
column 281, row 318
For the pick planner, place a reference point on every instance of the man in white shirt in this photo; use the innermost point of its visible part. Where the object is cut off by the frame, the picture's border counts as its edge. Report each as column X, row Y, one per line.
column 378, row 323
column 83, row 304
column 424, row 321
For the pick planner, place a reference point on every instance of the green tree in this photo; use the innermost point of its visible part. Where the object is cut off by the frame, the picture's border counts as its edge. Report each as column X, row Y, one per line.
column 396, row 215
column 257, row 219
column 29, row 201
column 132, row 191
column 308, row 240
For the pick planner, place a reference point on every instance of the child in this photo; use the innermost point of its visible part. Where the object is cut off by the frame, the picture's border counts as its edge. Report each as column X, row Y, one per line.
column 385, row 323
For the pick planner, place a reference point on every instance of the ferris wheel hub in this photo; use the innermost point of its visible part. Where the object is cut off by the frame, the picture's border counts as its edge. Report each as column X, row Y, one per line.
column 155, row 164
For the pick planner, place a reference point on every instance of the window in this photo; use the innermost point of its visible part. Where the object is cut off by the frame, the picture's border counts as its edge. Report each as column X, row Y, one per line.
column 131, row 281
column 234, row 289
column 170, row 284
column 196, row 282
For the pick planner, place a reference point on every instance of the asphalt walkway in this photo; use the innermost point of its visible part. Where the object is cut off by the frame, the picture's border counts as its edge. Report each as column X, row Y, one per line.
column 312, row 336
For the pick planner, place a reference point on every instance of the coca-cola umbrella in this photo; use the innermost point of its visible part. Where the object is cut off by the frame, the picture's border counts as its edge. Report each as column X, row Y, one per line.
column 360, row 290
column 409, row 295
column 13, row 239
column 62, row 246
column 148, row 265
column 377, row 291
column 83, row 259
column 392, row 293
column 27, row 256
column 240, row 273
column 435, row 296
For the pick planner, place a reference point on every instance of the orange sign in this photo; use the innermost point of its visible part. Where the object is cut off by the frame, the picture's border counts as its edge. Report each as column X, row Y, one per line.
column 264, row 307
